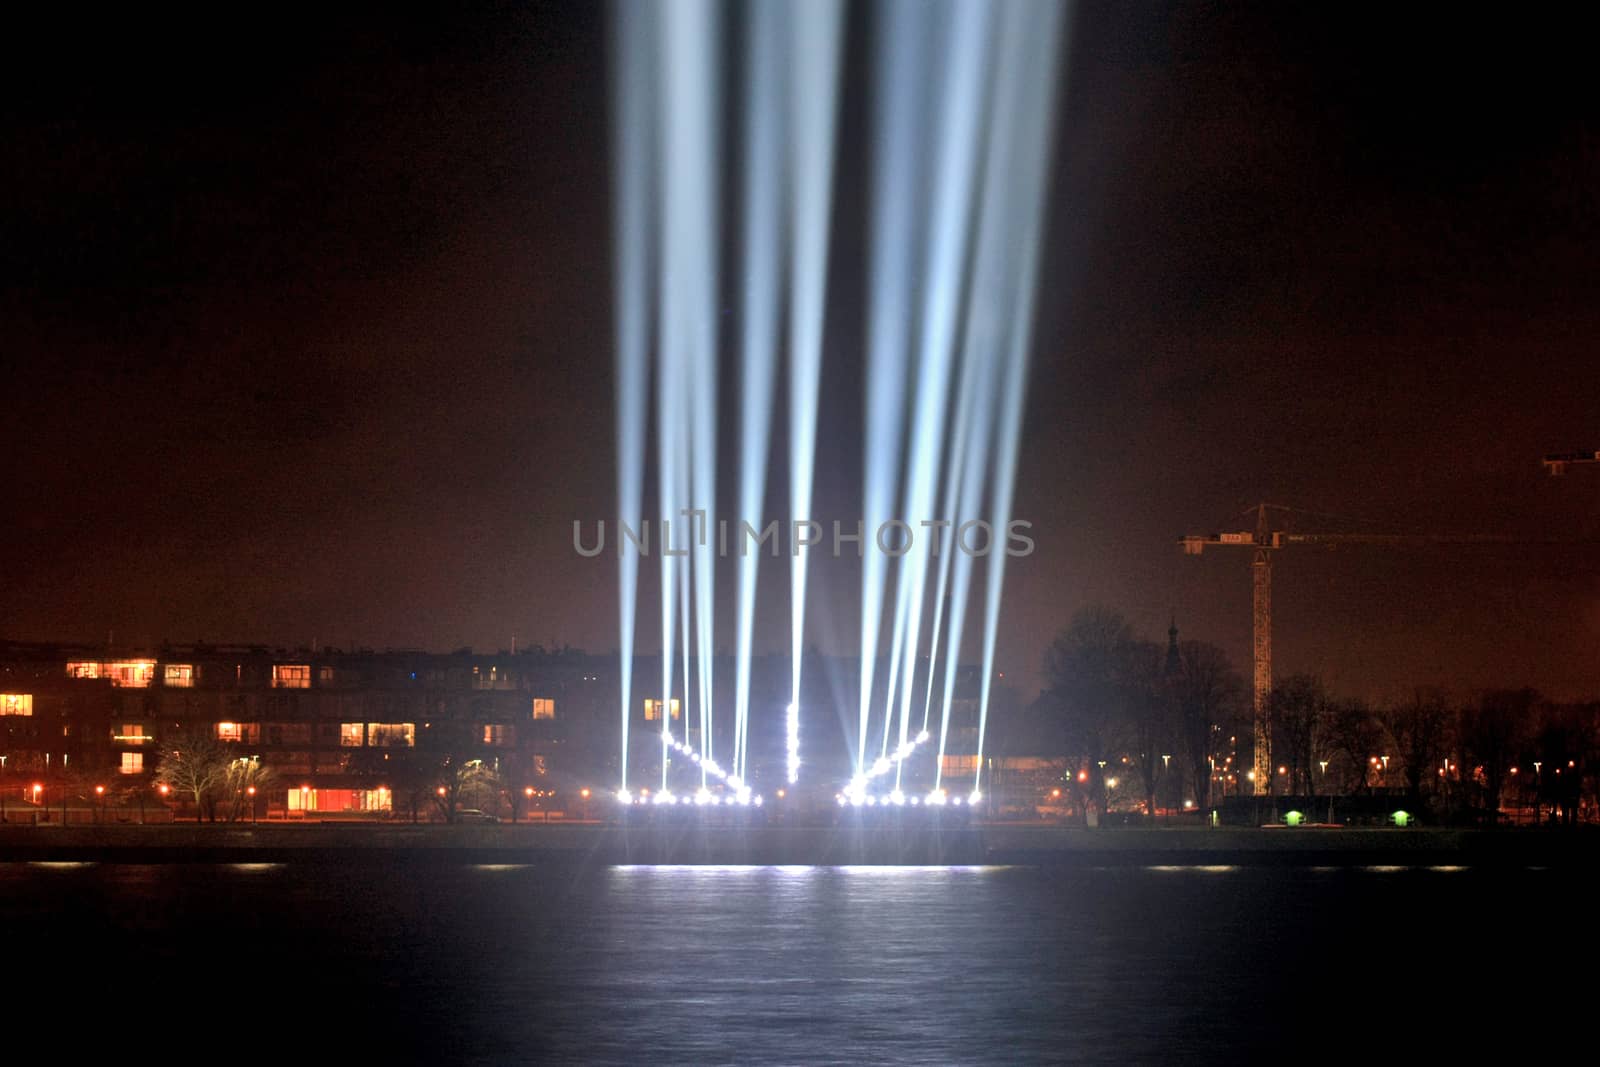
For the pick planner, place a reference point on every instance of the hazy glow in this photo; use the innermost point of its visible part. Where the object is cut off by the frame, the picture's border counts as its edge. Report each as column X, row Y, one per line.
column 813, row 91
column 793, row 731
column 959, row 142
column 631, row 215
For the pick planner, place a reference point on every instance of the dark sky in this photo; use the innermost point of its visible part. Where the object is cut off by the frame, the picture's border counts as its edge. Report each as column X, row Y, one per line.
column 307, row 334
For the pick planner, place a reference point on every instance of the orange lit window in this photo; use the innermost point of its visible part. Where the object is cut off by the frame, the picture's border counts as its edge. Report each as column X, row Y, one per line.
column 129, row 674
column 132, row 763
column 496, row 734
column 132, row 733
column 178, row 676
column 352, row 734
column 228, row 731
column 291, row 676
column 16, row 703
column 544, row 708
column 652, row 710
column 392, row 734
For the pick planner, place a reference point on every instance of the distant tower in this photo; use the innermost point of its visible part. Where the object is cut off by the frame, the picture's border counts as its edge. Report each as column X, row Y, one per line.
column 1174, row 661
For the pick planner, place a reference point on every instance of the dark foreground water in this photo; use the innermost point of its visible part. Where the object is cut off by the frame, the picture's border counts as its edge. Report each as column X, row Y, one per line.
column 424, row 962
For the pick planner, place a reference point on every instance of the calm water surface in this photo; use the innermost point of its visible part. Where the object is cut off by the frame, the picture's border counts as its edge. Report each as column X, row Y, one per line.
column 423, row 962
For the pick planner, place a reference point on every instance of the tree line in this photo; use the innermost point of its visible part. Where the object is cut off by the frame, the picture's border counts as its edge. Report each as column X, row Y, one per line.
column 1135, row 724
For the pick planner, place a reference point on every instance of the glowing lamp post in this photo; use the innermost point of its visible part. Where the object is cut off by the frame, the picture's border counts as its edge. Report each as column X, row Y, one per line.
column 100, row 803
column 250, row 791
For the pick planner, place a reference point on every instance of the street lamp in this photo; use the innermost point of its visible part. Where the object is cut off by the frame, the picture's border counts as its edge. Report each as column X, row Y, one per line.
column 250, row 791
column 100, row 807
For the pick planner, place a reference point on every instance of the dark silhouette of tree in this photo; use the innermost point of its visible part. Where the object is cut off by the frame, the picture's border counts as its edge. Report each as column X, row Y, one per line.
column 1085, row 672
column 1210, row 696
column 1354, row 732
column 1560, row 748
column 1149, row 717
column 1298, row 704
column 1491, row 735
column 406, row 773
column 1419, row 730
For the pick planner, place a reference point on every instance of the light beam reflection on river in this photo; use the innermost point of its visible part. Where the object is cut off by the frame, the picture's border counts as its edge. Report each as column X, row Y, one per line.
column 423, row 959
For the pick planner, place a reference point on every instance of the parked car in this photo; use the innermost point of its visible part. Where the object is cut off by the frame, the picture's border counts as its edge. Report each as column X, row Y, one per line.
column 474, row 815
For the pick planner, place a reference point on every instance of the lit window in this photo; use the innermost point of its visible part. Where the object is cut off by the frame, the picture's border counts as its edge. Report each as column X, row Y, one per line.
column 129, row 674
column 178, row 676
column 228, row 731
column 352, row 734
column 16, row 703
column 652, row 709
column 392, row 734
column 291, row 676
column 132, row 734
column 324, row 675
column 132, row 763
column 544, row 708
column 496, row 734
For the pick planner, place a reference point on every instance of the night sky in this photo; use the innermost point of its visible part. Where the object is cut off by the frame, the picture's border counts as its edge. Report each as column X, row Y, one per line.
column 307, row 335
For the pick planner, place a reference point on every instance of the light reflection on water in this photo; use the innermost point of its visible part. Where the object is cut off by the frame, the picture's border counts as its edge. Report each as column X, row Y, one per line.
column 514, row 963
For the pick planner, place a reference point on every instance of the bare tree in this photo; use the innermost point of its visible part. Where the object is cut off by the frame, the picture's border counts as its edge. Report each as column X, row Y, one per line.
column 1419, row 730
column 1297, row 706
column 244, row 774
column 1084, row 671
column 1354, row 732
column 197, row 766
column 1149, row 721
column 1491, row 735
column 1210, row 694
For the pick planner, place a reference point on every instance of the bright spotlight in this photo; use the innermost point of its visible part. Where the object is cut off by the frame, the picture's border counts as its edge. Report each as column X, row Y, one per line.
column 975, row 797
column 703, row 796
column 624, row 797
column 793, row 721
column 897, row 798
column 937, row 798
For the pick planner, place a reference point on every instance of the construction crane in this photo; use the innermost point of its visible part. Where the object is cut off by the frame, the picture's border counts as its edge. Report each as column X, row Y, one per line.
column 1556, row 462
column 1262, row 542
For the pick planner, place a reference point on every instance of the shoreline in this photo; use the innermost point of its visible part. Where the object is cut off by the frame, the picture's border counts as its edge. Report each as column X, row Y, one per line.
column 606, row 845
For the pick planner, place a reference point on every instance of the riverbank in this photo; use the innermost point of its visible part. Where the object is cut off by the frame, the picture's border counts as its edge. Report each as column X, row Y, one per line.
column 594, row 843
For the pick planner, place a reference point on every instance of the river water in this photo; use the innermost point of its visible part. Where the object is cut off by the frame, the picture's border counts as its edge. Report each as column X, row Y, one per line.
column 429, row 962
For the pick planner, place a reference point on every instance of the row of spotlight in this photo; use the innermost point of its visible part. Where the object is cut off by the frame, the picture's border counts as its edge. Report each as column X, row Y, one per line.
column 702, row 798
column 938, row 798
column 712, row 767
